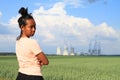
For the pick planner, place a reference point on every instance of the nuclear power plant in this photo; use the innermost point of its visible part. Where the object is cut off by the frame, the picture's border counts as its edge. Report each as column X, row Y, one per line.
column 65, row 51
column 58, row 51
column 94, row 49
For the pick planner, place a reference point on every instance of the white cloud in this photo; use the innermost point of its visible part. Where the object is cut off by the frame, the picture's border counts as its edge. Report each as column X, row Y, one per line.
column 0, row 14
column 58, row 9
column 13, row 21
column 107, row 32
column 8, row 34
column 56, row 21
column 75, row 3
column 7, row 43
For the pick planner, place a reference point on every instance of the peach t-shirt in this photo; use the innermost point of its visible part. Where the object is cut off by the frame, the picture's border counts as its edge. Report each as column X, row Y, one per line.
column 26, row 51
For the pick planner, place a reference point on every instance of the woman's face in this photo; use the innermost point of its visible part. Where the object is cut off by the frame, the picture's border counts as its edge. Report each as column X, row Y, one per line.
column 29, row 29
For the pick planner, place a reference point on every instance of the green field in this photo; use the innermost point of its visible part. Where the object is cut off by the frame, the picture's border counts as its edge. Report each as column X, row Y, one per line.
column 69, row 68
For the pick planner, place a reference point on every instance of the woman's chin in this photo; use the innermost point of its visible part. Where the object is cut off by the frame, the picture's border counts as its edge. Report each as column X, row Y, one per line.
column 32, row 35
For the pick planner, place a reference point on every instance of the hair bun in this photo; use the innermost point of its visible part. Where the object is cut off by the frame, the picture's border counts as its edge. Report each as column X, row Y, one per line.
column 23, row 11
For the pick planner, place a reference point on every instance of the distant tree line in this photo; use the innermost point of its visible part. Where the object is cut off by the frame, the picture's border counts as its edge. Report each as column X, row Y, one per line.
column 7, row 53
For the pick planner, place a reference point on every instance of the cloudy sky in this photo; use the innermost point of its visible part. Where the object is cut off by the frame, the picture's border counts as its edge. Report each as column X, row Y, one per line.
column 75, row 23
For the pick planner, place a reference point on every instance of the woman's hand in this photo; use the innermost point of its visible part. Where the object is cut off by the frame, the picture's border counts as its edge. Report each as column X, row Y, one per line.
column 42, row 58
column 40, row 63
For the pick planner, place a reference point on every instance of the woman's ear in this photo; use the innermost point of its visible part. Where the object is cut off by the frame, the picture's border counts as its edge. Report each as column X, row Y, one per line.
column 22, row 27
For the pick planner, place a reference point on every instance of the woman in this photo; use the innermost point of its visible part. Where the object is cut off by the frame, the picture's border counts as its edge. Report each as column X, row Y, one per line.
column 29, row 54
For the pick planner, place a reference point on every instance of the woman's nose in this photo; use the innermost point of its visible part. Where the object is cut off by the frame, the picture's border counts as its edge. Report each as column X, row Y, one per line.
column 33, row 29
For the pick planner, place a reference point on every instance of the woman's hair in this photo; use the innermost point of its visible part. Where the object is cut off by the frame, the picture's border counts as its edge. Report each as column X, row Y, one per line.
column 22, row 19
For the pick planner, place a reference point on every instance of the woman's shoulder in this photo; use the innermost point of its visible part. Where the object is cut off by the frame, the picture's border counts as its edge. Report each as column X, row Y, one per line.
column 28, row 40
column 33, row 41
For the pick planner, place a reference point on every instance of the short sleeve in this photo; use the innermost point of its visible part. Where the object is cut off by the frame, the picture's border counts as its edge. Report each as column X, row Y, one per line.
column 35, row 48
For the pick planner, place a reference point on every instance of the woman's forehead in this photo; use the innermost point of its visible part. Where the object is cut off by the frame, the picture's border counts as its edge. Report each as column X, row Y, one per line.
column 30, row 21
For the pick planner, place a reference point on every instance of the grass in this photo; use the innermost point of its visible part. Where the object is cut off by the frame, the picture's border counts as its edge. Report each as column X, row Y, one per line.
column 68, row 68
column 8, row 67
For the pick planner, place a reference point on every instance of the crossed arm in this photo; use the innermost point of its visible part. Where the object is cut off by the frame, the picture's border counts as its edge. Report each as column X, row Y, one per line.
column 42, row 58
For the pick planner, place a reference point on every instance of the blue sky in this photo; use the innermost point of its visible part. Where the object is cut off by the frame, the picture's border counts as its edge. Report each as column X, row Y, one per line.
column 59, row 22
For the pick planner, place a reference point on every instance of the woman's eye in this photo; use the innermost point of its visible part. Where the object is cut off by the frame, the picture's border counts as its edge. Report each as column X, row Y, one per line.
column 32, row 27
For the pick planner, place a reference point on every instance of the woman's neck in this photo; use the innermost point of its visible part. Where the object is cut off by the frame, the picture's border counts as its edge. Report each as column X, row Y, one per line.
column 24, row 36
